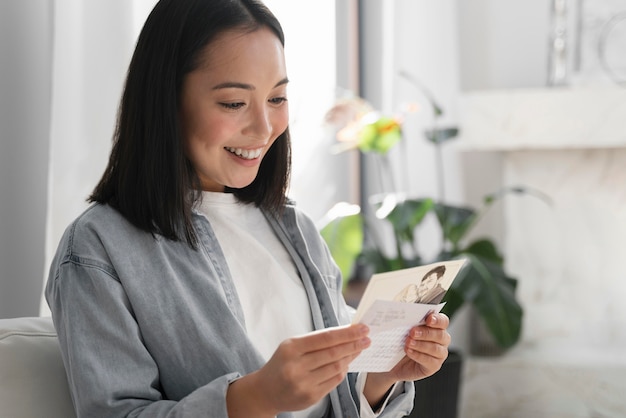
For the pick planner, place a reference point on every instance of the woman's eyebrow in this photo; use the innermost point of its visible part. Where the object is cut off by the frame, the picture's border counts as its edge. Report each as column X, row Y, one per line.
column 281, row 82
column 233, row 85
column 245, row 86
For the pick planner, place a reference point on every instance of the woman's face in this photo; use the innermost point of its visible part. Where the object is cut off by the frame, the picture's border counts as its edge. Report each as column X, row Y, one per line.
column 234, row 106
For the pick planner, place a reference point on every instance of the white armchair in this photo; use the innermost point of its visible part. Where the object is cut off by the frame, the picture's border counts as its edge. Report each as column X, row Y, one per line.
column 32, row 377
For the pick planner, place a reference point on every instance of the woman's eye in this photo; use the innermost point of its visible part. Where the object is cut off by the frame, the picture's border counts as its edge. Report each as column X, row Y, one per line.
column 232, row 106
column 278, row 100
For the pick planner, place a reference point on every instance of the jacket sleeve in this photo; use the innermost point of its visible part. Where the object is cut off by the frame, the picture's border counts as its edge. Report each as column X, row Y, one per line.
column 110, row 371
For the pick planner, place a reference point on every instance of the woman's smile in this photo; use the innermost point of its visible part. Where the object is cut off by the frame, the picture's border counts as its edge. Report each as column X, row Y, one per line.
column 246, row 154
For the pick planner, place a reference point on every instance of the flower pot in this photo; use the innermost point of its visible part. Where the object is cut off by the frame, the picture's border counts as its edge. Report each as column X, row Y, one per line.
column 437, row 396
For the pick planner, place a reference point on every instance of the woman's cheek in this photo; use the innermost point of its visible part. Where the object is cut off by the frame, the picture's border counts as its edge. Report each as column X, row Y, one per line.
column 283, row 120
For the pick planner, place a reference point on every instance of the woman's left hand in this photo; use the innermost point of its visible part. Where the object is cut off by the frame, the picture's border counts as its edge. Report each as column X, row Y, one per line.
column 426, row 349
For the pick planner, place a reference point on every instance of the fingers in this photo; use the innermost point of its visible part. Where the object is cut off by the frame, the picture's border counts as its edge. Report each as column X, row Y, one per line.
column 331, row 337
column 438, row 320
column 331, row 374
column 429, row 362
column 334, row 348
column 427, row 334
column 303, row 369
column 431, row 340
column 426, row 348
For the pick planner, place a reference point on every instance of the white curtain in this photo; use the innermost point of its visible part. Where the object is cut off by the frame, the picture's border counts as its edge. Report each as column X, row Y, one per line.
column 92, row 45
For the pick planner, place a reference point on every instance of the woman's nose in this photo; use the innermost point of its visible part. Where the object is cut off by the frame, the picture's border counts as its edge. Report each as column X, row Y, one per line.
column 260, row 124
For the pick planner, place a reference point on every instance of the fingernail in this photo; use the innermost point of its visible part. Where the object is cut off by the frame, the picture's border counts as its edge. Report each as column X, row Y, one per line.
column 364, row 342
column 418, row 333
column 434, row 320
column 363, row 329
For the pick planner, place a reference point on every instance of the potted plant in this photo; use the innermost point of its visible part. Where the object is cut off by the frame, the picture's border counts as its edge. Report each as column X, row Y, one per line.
column 360, row 243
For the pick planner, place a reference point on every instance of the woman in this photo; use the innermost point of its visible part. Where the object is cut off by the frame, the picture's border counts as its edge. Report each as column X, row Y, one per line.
column 191, row 287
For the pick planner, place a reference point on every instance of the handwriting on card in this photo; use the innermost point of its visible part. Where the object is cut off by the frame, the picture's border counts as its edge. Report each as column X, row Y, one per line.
column 381, row 317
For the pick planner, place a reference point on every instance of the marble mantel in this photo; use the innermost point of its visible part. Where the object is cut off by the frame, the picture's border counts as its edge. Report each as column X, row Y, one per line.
column 569, row 255
column 556, row 118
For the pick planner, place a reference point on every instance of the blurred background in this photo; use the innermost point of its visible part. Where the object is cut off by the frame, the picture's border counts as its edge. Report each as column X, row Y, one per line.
column 536, row 89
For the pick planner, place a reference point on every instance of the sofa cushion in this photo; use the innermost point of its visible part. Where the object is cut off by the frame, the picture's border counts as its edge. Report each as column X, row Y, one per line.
column 32, row 377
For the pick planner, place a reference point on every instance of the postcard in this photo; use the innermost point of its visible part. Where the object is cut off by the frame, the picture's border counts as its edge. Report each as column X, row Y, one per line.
column 393, row 303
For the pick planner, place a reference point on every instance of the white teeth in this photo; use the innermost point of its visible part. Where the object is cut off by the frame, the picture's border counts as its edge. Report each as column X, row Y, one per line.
column 244, row 153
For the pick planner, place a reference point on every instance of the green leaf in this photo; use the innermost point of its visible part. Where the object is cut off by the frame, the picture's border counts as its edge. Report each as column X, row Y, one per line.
column 455, row 221
column 437, row 136
column 454, row 300
column 492, row 292
column 344, row 237
column 486, row 249
column 407, row 215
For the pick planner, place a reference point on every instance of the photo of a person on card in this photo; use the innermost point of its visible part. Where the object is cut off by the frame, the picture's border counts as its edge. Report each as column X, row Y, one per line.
column 430, row 290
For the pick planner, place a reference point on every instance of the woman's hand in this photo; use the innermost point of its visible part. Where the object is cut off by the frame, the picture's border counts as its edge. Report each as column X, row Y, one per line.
column 300, row 373
column 426, row 349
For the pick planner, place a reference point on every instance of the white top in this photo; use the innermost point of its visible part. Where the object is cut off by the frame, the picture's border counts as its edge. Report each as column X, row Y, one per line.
column 264, row 274
column 266, row 279
column 267, row 282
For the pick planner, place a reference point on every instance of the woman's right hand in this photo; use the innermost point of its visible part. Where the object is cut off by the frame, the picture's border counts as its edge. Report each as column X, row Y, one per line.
column 299, row 374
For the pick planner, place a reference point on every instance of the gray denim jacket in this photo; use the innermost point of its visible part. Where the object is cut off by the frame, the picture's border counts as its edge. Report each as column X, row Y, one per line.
column 149, row 327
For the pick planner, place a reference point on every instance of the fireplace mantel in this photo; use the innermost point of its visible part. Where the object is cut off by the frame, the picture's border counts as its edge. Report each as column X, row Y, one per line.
column 549, row 118
column 567, row 254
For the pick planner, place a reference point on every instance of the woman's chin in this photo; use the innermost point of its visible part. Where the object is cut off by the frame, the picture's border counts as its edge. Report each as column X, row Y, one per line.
column 240, row 184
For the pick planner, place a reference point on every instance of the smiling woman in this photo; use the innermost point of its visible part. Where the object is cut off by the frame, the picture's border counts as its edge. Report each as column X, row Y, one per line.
column 193, row 284
column 234, row 107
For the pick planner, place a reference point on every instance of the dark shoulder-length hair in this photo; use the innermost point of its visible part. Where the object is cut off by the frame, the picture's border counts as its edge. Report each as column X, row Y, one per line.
column 148, row 178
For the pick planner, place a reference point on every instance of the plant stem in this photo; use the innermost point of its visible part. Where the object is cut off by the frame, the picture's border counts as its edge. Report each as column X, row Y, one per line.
column 386, row 169
column 441, row 188
column 405, row 163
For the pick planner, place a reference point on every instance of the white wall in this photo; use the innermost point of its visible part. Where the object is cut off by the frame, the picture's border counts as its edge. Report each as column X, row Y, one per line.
column 503, row 43
column 25, row 65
